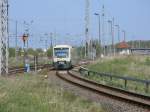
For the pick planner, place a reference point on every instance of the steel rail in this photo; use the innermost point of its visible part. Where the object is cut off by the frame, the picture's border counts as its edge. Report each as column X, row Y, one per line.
column 108, row 91
column 14, row 70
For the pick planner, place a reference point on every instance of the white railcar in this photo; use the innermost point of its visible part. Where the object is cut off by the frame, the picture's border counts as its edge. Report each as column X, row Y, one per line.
column 62, row 57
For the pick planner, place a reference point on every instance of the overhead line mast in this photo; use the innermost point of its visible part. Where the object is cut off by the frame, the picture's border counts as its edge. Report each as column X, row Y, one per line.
column 87, row 27
column 103, row 30
column 4, row 37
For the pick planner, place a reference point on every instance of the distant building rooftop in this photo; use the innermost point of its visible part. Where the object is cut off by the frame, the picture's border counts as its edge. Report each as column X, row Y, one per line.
column 123, row 45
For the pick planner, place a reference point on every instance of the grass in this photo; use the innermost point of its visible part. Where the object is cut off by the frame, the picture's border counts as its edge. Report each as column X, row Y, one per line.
column 33, row 93
column 127, row 66
column 20, row 61
column 132, row 66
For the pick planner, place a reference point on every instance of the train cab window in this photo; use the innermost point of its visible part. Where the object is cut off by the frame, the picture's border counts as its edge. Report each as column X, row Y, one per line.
column 61, row 52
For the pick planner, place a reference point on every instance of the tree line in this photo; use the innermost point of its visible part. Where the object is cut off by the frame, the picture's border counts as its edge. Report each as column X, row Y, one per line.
column 139, row 44
column 80, row 49
column 30, row 52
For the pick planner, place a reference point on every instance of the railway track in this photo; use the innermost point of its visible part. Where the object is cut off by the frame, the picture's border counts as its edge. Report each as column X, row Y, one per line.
column 15, row 70
column 113, row 93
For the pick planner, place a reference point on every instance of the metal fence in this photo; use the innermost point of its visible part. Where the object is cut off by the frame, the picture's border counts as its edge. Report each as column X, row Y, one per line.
column 125, row 80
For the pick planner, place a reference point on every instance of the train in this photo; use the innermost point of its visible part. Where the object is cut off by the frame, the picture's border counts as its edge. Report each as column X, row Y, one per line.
column 64, row 57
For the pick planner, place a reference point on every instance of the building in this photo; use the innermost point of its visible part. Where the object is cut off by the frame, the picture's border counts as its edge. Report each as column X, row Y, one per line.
column 123, row 48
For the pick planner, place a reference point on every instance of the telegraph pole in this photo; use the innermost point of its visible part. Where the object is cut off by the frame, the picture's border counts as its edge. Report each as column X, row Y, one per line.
column 46, row 44
column 99, row 25
column 111, row 32
column 118, row 27
column 113, row 36
column 124, row 35
column 51, row 39
column 103, row 29
column 54, row 38
column 99, row 22
column 16, row 54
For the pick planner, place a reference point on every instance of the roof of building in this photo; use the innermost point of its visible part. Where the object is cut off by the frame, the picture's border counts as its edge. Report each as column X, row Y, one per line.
column 123, row 45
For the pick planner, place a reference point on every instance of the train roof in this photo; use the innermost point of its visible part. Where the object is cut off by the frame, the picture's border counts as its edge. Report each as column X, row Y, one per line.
column 62, row 46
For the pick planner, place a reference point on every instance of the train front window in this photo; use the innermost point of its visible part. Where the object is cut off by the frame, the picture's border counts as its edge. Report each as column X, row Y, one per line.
column 61, row 52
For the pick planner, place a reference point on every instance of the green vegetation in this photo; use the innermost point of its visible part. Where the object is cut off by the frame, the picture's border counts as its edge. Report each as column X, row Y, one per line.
column 139, row 43
column 147, row 61
column 34, row 93
column 132, row 66
column 30, row 51
column 50, row 52
column 128, row 66
column 11, row 52
column 81, row 52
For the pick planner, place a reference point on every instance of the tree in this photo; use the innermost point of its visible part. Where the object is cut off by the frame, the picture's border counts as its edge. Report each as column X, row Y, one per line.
column 81, row 51
column 39, row 51
column 50, row 52
column 32, row 52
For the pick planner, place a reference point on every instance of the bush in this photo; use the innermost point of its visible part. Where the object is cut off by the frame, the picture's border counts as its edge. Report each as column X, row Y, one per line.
column 32, row 52
column 147, row 61
column 50, row 52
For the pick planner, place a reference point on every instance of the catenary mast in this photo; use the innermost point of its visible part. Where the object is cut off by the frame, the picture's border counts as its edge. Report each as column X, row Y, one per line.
column 87, row 24
column 3, row 37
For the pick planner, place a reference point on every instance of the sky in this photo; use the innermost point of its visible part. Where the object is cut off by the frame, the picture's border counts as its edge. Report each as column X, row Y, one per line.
column 65, row 18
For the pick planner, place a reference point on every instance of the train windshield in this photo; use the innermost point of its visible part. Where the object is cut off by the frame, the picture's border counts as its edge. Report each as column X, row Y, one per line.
column 61, row 52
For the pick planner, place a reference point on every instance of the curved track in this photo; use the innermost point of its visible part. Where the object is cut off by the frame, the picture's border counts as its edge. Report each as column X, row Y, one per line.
column 113, row 93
